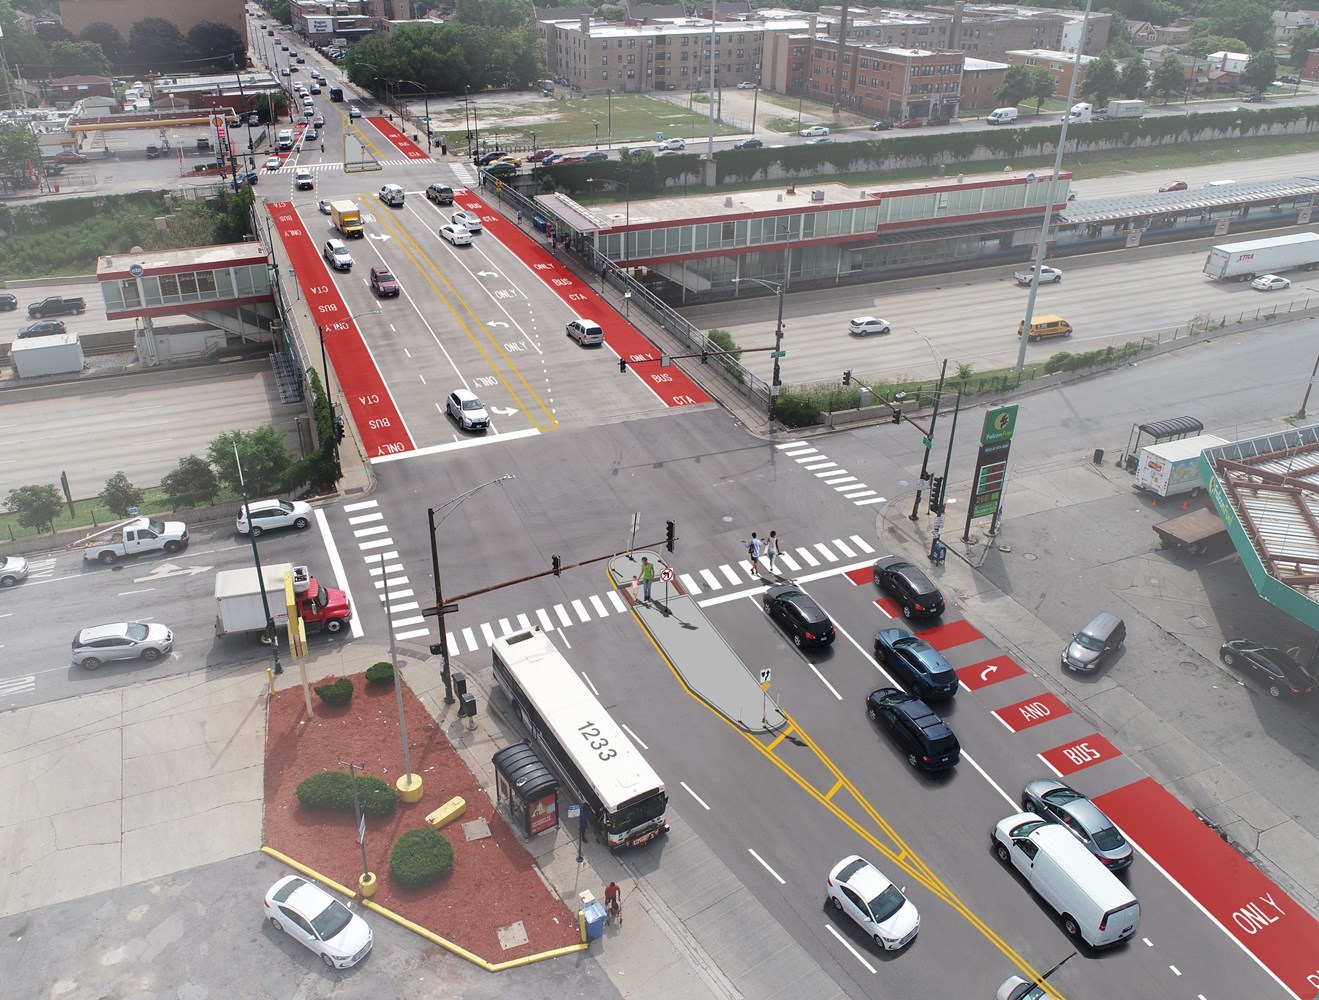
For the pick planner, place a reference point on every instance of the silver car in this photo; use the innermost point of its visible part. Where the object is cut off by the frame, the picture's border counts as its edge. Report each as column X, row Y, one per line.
column 464, row 406
column 1059, row 803
column 121, row 641
column 13, row 569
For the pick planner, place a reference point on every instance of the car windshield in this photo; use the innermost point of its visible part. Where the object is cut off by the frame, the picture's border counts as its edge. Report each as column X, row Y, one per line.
column 157, row 526
column 1087, row 641
column 886, row 904
column 332, row 920
column 1108, row 839
column 384, row 276
column 471, row 404
column 285, row 506
column 136, row 630
column 1059, row 796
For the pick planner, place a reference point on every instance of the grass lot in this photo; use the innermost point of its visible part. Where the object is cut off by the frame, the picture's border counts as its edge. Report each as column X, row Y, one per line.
column 92, row 514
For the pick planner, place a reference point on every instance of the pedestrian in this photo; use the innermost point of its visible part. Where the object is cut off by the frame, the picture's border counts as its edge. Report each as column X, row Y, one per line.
column 647, row 577
column 753, row 551
column 444, row 148
column 636, row 581
column 772, row 549
column 519, row 218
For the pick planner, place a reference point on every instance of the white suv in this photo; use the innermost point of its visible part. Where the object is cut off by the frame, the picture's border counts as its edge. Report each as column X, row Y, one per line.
column 338, row 256
column 267, row 514
column 464, row 406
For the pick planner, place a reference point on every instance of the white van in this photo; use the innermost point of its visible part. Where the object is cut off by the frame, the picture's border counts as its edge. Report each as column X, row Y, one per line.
column 1219, row 184
column 1094, row 904
column 286, row 138
column 1002, row 116
column 392, row 194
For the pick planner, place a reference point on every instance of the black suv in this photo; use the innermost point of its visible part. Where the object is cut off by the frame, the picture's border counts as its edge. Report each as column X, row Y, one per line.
column 910, row 587
column 920, row 733
column 799, row 616
column 41, row 328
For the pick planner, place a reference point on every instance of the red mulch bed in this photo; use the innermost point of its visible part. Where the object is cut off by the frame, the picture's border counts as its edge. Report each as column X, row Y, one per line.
column 493, row 882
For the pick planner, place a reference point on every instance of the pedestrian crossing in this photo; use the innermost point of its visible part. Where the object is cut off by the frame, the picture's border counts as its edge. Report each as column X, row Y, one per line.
column 41, row 569
column 375, row 545
column 289, row 167
column 812, row 460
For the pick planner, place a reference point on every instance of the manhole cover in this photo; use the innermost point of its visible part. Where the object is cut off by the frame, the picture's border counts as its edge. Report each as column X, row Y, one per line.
column 477, row 829
column 1197, row 622
column 1029, row 556
column 512, row 936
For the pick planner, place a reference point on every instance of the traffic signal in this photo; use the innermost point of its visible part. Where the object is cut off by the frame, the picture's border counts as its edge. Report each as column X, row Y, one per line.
column 555, row 564
column 338, row 429
column 936, row 494
column 897, row 414
column 847, row 376
column 622, row 364
column 668, row 535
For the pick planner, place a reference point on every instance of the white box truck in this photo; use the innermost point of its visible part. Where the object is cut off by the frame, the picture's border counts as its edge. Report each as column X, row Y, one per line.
column 1173, row 467
column 1125, row 109
column 239, row 608
column 1093, row 904
column 1246, row 261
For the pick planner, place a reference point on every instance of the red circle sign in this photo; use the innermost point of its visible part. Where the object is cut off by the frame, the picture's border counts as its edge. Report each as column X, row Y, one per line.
column 666, row 574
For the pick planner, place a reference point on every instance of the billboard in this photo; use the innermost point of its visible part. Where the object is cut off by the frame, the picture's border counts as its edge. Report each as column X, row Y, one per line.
column 320, row 25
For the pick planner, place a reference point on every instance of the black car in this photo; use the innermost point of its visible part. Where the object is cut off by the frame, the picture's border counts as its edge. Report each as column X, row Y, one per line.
column 748, row 144
column 1273, row 668
column 938, row 120
column 596, row 154
column 910, row 587
column 486, row 159
column 41, row 328
column 881, row 126
column 919, row 732
column 1253, row 99
column 8, row 301
column 799, row 616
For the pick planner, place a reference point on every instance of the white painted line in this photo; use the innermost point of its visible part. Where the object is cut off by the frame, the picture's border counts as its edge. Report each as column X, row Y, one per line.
column 860, row 543
column 836, row 471
column 407, row 621
column 469, row 637
column 689, row 583
column 364, row 518
column 130, row 593
column 17, row 685
column 582, row 613
column 599, row 605
column 487, row 633
column 378, row 544
column 711, row 580
column 821, row 465
column 400, row 636
column 754, row 590
column 766, row 866
column 841, row 479
column 619, row 604
column 1175, row 971
column 391, row 583
column 859, row 494
column 863, row 503
column 524, row 623
column 362, row 505
column 635, row 737
column 545, row 624
column 831, row 688
column 790, row 562
column 734, row 577
column 694, row 795
column 505, row 627
column 791, row 445
column 451, row 641
column 807, row 558
column 845, row 488
column 808, row 456
column 405, row 606
column 337, row 570
column 455, row 446
column 562, row 612
column 842, row 547
column 586, row 677
column 1148, row 942
column 379, row 529
column 846, row 944
column 823, row 549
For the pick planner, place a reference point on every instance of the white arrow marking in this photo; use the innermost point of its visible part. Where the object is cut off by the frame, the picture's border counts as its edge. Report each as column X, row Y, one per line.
column 487, row 274
column 502, row 412
column 498, row 322
column 984, row 674
column 379, row 236
column 165, row 569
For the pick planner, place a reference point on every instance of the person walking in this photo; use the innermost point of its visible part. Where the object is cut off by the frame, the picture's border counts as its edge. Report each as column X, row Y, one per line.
column 753, row 552
column 647, row 577
column 772, row 550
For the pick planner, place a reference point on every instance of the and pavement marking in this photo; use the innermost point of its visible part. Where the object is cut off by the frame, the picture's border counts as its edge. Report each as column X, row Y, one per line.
column 1043, row 707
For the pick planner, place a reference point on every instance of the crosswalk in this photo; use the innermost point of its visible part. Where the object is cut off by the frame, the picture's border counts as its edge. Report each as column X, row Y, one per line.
column 375, row 545
column 812, row 460
column 289, row 167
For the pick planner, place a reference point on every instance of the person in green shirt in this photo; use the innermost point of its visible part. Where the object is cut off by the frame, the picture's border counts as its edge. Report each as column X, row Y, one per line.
column 647, row 577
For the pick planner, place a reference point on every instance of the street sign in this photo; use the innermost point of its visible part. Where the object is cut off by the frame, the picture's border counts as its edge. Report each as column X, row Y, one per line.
column 361, row 829
column 778, row 354
column 764, row 679
column 666, row 574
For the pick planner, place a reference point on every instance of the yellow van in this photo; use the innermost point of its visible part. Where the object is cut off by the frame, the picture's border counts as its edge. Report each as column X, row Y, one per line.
column 1046, row 326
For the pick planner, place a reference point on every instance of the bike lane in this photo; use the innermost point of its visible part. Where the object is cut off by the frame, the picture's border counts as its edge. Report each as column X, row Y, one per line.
column 671, row 385
column 379, row 423
column 400, row 141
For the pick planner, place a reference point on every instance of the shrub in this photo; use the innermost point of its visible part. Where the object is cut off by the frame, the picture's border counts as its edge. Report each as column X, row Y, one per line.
column 333, row 790
column 381, row 673
column 339, row 692
column 120, row 495
column 420, row 858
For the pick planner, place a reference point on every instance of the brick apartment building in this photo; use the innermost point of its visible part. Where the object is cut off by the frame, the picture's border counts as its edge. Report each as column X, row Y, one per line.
column 1061, row 66
column 884, row 82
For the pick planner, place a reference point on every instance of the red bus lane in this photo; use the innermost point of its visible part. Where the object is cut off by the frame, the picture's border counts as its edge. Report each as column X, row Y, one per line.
column 1267, row 922
column 670, row 384
column 400, row 141
column 378, row 422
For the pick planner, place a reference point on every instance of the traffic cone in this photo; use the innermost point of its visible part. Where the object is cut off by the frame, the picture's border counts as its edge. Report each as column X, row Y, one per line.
column 1154, row 504
column 1185, row 505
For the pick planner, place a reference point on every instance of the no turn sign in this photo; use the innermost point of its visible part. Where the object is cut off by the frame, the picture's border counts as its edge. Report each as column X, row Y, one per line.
column 666, row 574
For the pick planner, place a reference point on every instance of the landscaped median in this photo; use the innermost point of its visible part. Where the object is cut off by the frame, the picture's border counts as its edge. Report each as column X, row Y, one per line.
column 482, row 899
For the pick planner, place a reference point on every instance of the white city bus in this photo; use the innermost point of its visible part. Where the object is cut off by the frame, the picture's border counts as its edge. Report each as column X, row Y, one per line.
column 624, row 796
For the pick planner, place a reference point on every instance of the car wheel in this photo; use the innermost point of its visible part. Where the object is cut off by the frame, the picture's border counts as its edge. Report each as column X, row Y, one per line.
column 334, row 625
column 1227, row 658
column 880, row 941
column 329, row 962
column 172, row 547
column 1058, row 279
column 300, row 523
column 1026, row 806
column 911, row 759
column 150, row 655
column 276, row 924
column 1275, row 691
column 8, row 581
column 91, row 663
column 106, row 558
column 797, row 640
column 1071, row 926
column 906, row 610
column 1001, row 851
column 256, row 531
column 838, row 903
column 874, row 716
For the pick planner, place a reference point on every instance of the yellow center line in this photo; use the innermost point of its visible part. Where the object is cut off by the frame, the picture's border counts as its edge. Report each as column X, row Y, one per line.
column 466, row 319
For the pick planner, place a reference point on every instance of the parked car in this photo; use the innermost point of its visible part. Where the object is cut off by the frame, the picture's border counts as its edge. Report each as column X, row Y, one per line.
column 1270, row 283
column 674, row 143
column 485, row 159
column 595, row 155
column 918, row 664
column 752, row 143
column 799, row 616
column 41, row 328
column 273, row 513
column 1254, row 99
column 13, row 569
column 859, row 889
column 70, row 156
column 938, row 120
column 354, row 111
column 337, row 255
column 466, row 408
column 121, row 641
column 1172, row 186
column 318, row 921
column 1289, row 79
column 383, row 282
column 1059, row 803
column 813, row 131
column 911, row 123
column 470, row 220
column 916, row 728
column 910, row 587
column 883, row 125
column 459, row 236
column 747, row 85
column 1273, row 668
column 864, row 326
column 821, row 138
column 539, row 155
column 8, row 301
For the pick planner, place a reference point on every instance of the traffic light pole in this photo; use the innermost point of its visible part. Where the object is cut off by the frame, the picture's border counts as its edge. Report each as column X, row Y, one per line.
column 925, row 461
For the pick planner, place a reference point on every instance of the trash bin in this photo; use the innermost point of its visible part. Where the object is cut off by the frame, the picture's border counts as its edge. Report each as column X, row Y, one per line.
column 1099, row 456
column 595, row 921
column 539, row 223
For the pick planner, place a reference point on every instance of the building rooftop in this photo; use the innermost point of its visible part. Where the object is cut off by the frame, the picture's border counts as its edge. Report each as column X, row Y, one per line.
column 180, row 259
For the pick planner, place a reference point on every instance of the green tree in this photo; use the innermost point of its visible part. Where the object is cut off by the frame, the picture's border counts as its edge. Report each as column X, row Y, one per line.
column 36, row 506
column 1261, row 71
column 119, row 495
column 193, row 481
column 156, row 43
column 109, row 38
column 235, row 219
column 78, row 59
column 264, row 454
column 1100, row 79
column 1042, row 86
column 501, row 15
column 280, row 11
column 1247, row 20
column 18, row 148
column 218, row 44
column 1201, row 45
column 1016, row 86
column 1302, row 42
column 1135, row 78
column 1169, row 79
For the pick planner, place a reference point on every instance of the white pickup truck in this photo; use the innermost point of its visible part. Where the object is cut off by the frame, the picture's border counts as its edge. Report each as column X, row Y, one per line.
column 1047, row 274
column 136, row 536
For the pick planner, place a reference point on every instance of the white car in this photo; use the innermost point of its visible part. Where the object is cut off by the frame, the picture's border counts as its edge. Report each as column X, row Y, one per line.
column 318, row 921
column 673, row 144
column 457, row 235
column 274, row 513
column 464, row 406
column 469, row 220
column 1270, row 282
column 1016, row 988
column 1047, row 274
column 12, row 570
column 121, row 641
column 303, row 180
column 272, row 163
column 864, row 326
column 860, row 890
column 746, row 85
column 813, row 131
column 338, row 256
column 354, row 111
column 324, row 206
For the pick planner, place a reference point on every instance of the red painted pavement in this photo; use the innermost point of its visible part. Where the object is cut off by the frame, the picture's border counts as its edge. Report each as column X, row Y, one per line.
column 1031, row 712
column 377, row 419
column 991, row 671
column 404, row 145
column 1267, row 922
column 1080, row 753
column 671, row 385
column 946, row 635
column 862, row 577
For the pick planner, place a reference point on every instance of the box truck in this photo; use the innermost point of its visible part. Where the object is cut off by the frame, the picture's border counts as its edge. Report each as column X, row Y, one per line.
column 1125, row 109
column 1246, row 261
column 1080, row 113
column 346, row 218
column 1173, row 467
column 239, row 608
